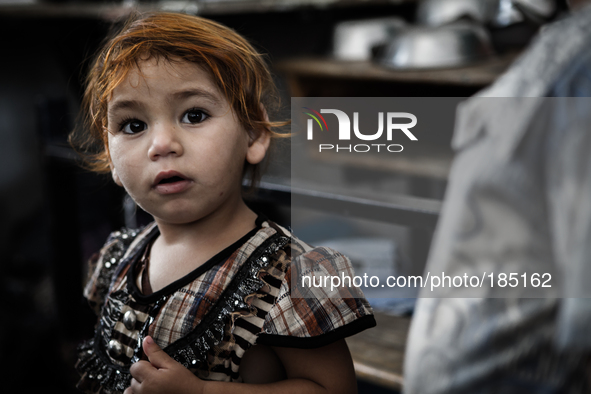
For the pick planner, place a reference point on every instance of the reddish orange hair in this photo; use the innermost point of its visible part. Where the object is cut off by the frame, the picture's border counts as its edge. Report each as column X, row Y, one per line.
column 237, row 69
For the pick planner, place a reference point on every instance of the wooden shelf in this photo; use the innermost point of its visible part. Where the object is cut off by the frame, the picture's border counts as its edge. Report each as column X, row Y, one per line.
column 391, row 208
column 378, row 353
column 117, row 10
column 477, row 75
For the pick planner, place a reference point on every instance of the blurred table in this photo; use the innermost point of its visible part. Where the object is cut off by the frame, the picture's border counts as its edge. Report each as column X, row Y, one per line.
column 378, row 353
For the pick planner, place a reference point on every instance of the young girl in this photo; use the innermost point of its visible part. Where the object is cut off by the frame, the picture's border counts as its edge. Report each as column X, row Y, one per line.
column 200, row 301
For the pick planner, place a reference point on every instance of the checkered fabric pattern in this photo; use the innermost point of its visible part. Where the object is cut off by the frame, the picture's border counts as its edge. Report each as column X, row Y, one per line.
column 306, row 315
column 264, row 315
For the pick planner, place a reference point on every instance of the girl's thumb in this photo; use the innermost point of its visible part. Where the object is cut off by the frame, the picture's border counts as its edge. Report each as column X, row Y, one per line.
column 157, row 357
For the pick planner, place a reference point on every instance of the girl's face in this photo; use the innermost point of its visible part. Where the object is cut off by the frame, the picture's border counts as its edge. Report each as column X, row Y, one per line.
column 175, row 143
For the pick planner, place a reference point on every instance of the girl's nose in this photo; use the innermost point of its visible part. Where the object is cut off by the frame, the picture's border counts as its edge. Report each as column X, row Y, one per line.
column 165, row 142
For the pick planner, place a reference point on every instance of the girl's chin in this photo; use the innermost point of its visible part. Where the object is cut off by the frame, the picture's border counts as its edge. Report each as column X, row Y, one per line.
column 187, row 211
column 179, row 217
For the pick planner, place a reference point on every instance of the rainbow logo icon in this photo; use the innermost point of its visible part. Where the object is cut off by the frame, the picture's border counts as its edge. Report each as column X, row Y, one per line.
column 316, row 118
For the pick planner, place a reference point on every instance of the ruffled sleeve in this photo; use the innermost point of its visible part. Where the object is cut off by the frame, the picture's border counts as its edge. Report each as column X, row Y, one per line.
column 315, row 317
column 103, row 265
column 99, row 268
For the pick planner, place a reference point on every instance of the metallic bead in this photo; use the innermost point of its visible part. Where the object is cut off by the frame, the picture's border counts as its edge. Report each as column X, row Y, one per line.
column 194, row 362
column 107, row 265
column 113, row 260
column 115, row 348
column 129, row 320
column 264, row 259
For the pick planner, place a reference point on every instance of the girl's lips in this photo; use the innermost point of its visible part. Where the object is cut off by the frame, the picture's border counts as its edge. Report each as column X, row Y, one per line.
column 165, row 175
column 173, row 187
column 179, row 184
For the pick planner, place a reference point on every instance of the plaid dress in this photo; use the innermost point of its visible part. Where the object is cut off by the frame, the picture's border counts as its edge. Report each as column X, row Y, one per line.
column 208, row 319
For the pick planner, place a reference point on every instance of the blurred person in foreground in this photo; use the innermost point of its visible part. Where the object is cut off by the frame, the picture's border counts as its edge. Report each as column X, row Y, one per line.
column 518, row 199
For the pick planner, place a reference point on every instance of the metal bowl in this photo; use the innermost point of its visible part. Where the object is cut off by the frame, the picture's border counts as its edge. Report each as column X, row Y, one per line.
column 440, row 12
column 452, row 45
column 353, row 40
column 497, row 13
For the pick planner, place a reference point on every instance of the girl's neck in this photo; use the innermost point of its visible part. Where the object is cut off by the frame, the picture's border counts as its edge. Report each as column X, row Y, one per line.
column 218, row 228
column 182, row 248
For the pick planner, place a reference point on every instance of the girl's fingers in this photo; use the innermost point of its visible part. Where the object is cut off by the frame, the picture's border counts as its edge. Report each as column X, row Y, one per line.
column 140, row 370
column 134, row 387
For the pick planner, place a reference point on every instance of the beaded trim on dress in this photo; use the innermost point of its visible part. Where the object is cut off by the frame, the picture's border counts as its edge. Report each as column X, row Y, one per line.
column 192, row 350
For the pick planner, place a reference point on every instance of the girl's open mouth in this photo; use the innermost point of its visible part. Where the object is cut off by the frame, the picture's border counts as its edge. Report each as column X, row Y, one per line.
column 171, row 182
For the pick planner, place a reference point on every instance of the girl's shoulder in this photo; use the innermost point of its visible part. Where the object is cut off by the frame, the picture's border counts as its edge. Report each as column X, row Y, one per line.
column 308, row 311
column 301, row 251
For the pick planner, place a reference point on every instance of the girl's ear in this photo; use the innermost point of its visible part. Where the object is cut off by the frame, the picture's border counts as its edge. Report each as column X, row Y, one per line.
column 259, row 142
column 258, row 146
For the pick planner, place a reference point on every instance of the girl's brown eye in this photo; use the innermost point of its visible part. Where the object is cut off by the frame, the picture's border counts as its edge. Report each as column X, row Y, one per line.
column 133, row 127
column 194, row 116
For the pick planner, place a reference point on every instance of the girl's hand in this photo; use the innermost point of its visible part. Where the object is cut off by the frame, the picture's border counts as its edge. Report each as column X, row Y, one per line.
column 161, row 374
